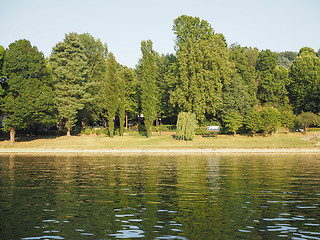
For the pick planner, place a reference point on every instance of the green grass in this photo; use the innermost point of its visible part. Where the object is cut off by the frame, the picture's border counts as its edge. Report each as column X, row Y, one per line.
column 279, row 140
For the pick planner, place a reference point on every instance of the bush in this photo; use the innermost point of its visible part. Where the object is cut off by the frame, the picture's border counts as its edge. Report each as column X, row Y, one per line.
column 104, row 131
column 93, row 131
column 163, row 128
column 98, row 132
column 87, row 131
column 82, row 131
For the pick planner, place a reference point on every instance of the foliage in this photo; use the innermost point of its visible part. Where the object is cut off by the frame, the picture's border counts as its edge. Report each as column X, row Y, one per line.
column 233, row 121
column 308, row 118
column 149, row 102
column 272, row 80
column 104, row 131
column 70, row 72
column 202, row 67
column 253, row 121
column 236, row 97
column 29, row 95
column 110, row 92
column 87, row 131
column 304, row 85
column 95, row 53
column 286, row 58
column 186, row 126
column 271, row 120
column 98, row 132
column 288, row 119
column 121, row 100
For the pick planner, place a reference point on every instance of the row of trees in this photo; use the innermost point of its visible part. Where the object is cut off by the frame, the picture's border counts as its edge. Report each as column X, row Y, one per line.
column 82, row 84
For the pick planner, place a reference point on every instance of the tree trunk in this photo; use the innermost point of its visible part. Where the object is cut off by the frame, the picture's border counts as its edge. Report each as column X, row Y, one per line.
column 305, row 129
column 69, row 132
column 126, row 121
column 12, row 134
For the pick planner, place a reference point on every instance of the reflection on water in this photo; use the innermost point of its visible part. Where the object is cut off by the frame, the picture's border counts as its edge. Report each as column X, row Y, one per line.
column 157, row 197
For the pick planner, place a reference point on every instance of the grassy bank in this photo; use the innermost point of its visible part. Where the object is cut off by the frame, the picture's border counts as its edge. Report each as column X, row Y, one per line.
column 279, row 140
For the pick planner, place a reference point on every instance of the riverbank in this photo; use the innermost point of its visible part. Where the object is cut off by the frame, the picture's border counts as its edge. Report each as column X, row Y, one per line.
column 155, row 151
column 162, row 144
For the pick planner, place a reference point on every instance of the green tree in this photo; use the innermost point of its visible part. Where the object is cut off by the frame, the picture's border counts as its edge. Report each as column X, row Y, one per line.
column 304, row 74
column 131, row 94
column 2, row 53
column 29, row 98
column 148, row 87
column 245, row 60
column 202, row 67
column 288, row 119
column 96, row 54
column 306, row 119
column 121, row 99
column 285, row 59
column 186, row 126
column 236, row 97
column 110, row 92
column 272, row 80
column 233, row 121
column 253, row 121
column 271, row 120
column 70, row 73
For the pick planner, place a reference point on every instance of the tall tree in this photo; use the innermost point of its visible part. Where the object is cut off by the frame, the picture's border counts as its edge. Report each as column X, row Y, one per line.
column 201, row 67
column 29, row 97
column 2, row 53
column 245, row 60
column 272, row 80
column 70, row 72
column 304, row 88
column 121, row 99
column 96, row 54
column 236, row 97
column 131, row 94
column 110, row 92
column 148, row 87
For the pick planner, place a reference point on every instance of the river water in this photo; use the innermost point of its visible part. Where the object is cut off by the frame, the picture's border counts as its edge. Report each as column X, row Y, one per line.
column 160, row 197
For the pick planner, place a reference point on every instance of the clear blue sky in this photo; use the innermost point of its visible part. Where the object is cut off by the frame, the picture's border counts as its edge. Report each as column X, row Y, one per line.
column 278, row 25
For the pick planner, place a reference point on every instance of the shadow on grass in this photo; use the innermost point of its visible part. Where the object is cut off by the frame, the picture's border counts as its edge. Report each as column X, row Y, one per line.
column 21, row 138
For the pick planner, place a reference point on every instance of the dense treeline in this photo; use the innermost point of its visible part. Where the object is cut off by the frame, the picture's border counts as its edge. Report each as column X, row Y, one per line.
column 81, row 84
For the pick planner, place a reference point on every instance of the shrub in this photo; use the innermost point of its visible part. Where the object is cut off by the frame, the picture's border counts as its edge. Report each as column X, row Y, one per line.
column 93, row 131
column 87, row 131
column 98, row 132
column 104, row 131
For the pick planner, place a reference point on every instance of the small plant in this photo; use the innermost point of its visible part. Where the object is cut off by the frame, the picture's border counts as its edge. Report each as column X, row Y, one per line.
column 98, row 132
column 87, row 131
column 93, row 131
column 82, row 131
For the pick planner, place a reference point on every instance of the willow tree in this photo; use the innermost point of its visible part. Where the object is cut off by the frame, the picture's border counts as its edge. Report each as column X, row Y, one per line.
column 203, row 66
column 148, row 88
column 70, row 71
column 186, row 126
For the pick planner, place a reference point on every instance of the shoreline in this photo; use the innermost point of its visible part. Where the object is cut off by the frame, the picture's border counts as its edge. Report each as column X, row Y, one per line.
column 157, row 151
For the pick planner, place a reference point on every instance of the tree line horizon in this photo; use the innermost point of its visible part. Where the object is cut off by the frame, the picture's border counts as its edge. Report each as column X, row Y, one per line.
column 81, row 84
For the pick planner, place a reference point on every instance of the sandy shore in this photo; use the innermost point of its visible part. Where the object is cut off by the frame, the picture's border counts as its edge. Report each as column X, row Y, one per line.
column 162, row 151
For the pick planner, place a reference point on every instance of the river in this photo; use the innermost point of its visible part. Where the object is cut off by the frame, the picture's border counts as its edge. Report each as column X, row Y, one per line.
column 251, row 196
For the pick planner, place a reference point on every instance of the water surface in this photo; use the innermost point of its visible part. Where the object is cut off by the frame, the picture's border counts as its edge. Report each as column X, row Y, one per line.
column 160, row 197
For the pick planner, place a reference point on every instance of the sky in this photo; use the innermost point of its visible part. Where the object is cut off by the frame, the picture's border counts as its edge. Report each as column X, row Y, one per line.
column 278, row 25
